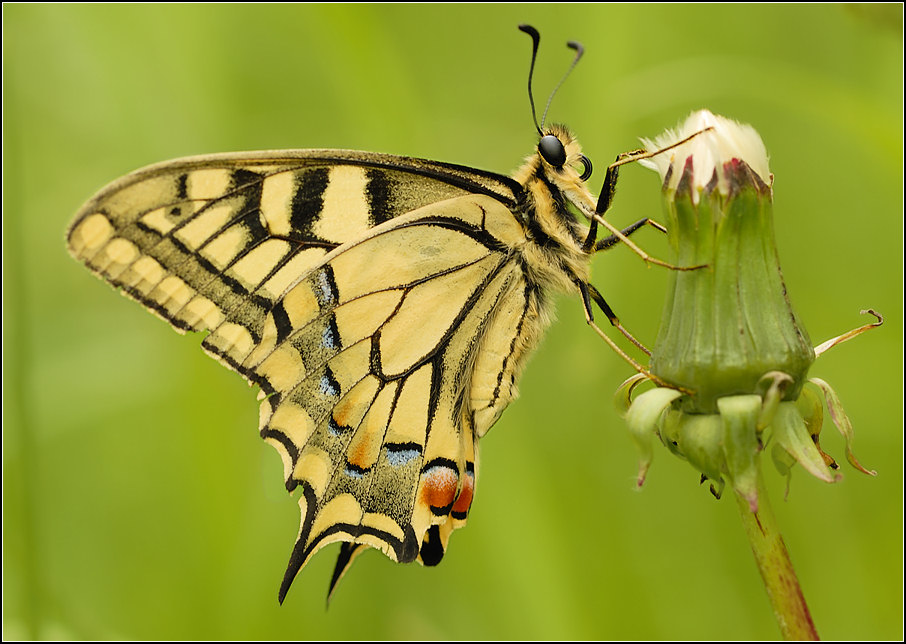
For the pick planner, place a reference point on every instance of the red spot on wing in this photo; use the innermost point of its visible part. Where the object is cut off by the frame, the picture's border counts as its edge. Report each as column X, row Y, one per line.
column 439, row 485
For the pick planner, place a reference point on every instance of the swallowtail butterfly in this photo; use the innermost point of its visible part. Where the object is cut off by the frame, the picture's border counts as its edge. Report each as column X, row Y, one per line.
column 385, row 307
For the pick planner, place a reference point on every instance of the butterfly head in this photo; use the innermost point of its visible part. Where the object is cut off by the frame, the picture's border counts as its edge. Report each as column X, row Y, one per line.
column 560, row 155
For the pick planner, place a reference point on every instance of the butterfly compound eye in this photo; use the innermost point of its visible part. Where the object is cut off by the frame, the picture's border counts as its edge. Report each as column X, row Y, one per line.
column 552, row 150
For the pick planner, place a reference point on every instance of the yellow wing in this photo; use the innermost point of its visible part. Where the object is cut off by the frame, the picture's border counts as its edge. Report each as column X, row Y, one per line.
column 379, row 303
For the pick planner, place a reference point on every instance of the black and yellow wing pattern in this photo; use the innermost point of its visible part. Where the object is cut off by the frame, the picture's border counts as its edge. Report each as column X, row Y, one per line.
column 384, row 306
column 381, row 304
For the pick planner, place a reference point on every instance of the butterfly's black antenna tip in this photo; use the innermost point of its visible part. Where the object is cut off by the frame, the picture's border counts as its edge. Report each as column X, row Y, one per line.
column 536, row 39
column 531, row 31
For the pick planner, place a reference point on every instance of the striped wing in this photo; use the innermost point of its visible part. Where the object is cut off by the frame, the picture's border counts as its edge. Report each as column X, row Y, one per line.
column 378, row 302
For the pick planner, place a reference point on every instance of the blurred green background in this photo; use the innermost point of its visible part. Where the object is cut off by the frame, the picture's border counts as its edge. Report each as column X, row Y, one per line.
column 138, row 500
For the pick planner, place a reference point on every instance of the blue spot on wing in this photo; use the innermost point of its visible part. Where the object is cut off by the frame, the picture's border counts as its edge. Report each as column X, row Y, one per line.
column 354, row 471
column 399, row 454
column 325, row 287
column 329, row 385
column 330, row 335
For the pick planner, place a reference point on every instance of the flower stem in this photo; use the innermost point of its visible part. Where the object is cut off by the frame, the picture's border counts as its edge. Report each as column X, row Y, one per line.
column 776, row 569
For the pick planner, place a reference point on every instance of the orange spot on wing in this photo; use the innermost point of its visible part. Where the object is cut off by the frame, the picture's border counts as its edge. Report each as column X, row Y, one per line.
column 364, row 448
column 343, row 413
column 464, row 501
column 359, row 457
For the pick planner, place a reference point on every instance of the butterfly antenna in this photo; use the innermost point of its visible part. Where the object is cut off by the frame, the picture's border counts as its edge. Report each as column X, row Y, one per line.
column 536, row 39
column 579, row 51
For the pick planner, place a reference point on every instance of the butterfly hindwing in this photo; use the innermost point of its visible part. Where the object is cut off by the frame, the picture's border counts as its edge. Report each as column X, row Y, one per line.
column 378, row 428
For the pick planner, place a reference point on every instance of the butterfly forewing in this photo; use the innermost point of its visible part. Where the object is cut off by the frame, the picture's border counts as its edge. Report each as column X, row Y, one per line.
column 378, row 302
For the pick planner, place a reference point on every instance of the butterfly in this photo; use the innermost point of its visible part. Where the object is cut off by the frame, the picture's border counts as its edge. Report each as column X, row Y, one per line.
column 384, row 306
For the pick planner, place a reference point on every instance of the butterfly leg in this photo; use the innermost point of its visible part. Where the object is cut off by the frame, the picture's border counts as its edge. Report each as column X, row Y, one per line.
column 611, row 241
column 589, row 294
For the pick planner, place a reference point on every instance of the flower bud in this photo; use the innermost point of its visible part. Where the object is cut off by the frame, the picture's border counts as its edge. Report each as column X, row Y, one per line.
column 717, row 190
column 729, row 344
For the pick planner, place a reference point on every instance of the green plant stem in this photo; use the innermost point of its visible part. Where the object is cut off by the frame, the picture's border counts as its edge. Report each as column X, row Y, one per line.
column 776, row 569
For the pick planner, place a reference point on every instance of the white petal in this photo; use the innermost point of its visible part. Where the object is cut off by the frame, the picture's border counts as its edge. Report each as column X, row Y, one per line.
column 709, row 150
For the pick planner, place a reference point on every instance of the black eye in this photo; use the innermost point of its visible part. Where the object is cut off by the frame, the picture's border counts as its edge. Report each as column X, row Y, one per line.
column 586, row 164
column 552, row 150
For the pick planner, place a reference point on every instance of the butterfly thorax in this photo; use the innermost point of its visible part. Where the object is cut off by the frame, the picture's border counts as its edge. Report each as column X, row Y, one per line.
column 553, row 254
